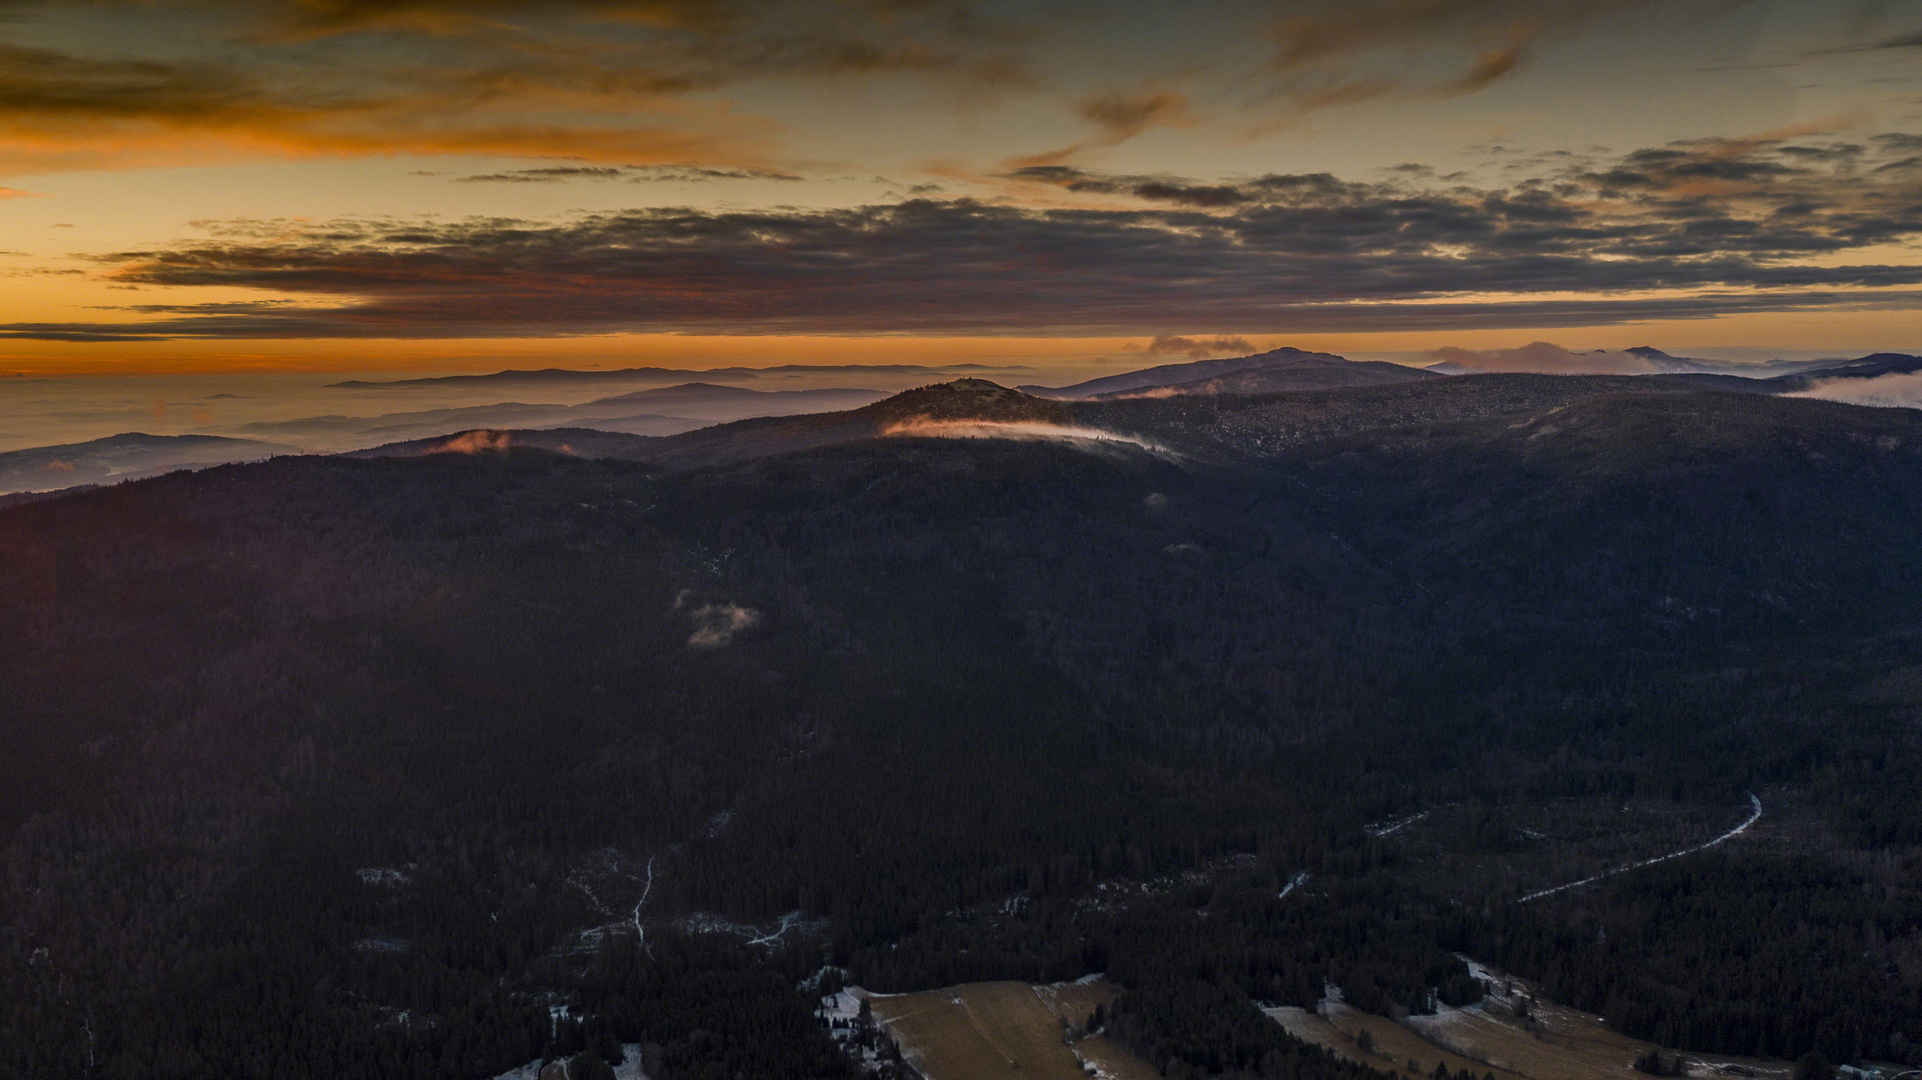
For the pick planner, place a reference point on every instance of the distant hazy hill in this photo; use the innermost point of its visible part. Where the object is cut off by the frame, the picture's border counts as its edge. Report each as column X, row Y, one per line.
column 1872, row 366
column 1310, row 372
column 1280, row 369
column 571, row 442
column 961, row 400
column 668, row 410
column 1662, row 363
column 1682, row 365
column 713, row 403
column 123, row 457
column 577, row 377
column 1211, row 427
column 336, row 432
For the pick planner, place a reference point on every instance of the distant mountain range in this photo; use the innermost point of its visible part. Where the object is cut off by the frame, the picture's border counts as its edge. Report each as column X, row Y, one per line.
column 1664, row 363
column 578, row 377
column 1874, row 366
column 1233, row 428
column 666, row 410
column 124, row 457
column 1270, row 372
column 704, row 422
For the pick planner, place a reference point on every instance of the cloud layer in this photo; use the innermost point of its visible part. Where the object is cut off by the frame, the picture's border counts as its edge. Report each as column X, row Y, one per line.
column 1895, row 390
column 91, row 83
column 87, row 83
column 1686, row 231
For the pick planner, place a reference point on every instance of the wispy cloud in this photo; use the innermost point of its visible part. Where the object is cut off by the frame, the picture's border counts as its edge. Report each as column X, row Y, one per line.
column 1338, row 52
column 686, row 173
column 1912, row 40
column 1122, row 116
column 1894, row 390
column 606, row 81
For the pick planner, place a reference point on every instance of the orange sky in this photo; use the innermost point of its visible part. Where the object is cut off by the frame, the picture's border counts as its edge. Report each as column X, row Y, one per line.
column 205, row 185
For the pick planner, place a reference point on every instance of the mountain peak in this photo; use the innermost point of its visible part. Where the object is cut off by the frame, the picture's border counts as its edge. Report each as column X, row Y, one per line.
column 1286, row 357
column 965, row 399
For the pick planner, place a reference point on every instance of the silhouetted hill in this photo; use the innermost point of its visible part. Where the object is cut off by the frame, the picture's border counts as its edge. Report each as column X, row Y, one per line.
column 964, row 399
column 702, row 394
column 123, row 457
column 960, row 400
column 1323, row 369
column 569, row 442
column 1302, row 373
column 1872, row 366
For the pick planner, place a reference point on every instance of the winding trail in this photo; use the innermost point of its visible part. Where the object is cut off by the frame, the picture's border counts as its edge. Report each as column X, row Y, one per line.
column 640, row 932
column 1753, row 817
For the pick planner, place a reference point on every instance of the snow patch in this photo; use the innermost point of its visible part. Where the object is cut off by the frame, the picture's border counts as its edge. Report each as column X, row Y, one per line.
column 864, row 1040
column 1090, row 1066
column 716, row 624
column 1394, row 825
column 703, row 922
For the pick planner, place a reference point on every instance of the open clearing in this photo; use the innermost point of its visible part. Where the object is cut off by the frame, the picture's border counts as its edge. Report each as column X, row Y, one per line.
column 1553, row 1043
column 1395, row 1046
column 1005, row 1031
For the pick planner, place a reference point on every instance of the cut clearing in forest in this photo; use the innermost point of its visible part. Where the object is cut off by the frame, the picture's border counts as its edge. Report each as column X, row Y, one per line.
column 1006, row 1030
column 1512, row 1034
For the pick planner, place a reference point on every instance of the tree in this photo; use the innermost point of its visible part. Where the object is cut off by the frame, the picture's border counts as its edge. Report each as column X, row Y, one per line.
column 1814, row 1066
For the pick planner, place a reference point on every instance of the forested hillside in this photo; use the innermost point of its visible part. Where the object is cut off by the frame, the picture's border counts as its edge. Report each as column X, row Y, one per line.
column 431, row 765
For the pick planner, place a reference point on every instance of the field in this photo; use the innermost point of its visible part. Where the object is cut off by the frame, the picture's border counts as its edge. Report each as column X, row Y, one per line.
column 1393, row 1046
column 1002, row 1030
column 1551, row 1043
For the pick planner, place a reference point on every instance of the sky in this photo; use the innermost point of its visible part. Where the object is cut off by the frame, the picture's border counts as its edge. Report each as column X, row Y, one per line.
column 278, row 187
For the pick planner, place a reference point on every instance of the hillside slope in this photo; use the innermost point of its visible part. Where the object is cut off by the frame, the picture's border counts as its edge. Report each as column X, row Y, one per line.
column 364, row 766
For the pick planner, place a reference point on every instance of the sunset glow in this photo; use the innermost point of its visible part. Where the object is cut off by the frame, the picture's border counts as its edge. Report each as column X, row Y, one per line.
column 453, row 185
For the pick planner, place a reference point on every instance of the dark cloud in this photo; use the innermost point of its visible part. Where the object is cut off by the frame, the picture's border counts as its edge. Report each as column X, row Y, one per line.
column 1305, row 318
column 555, row 174
column 1123, row 116
column 1324, row 48
column 641, row 173
column 605, row 81
column 1491, row 66
column 1911, row 40
column 44, row 85
column 1152, row 188
column 1269, row 254
column 550, row 175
